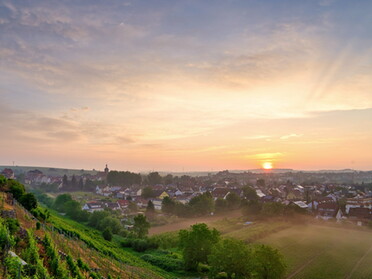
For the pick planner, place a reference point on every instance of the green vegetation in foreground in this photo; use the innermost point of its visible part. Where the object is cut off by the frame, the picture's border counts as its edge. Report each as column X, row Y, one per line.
column 107, row 249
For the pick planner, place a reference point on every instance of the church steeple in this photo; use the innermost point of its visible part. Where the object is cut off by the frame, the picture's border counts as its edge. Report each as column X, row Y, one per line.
column 106, row 170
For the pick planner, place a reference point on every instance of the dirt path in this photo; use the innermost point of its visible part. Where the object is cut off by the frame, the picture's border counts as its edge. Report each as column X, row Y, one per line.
column 185, row 223
column 302, row 267
column 358, row 263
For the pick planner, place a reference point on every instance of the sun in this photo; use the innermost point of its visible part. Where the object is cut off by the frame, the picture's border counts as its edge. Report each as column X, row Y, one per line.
column 267, row 165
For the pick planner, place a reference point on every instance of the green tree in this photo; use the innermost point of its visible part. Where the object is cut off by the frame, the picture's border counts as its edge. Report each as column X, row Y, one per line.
column 168, row 205
column 148, row 193
column 233, row 201
column 269, row 263
column 154, row 178
column 72, row 208
column 249, row 193
column 60, row 201
column 111, row 223
column 196, row 244
column 202, row 204
column 261, row 182
column 107, row 234
column 28, row 201
column 141, row 226
column 270, row 209
column 96, row 217
column 150, row 207
column 220, row 205
column 232, row 257
column 16, row 188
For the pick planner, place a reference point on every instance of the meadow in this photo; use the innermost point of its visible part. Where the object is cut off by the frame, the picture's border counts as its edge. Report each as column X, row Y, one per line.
column 310, row 250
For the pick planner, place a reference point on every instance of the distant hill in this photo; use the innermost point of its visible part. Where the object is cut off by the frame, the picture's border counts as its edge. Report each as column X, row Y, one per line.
column 49, row 171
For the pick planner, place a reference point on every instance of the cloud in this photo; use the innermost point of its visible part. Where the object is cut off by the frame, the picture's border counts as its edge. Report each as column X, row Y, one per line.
column 285, row 137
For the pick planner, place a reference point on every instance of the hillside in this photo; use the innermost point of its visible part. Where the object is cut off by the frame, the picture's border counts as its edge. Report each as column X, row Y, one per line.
column 104, row 259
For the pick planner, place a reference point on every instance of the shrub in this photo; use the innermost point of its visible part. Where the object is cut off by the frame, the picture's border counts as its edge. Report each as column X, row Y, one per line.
column 163, row 261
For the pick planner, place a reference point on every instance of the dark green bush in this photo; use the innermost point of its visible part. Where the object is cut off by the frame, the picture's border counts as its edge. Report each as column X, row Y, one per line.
column 164, row 261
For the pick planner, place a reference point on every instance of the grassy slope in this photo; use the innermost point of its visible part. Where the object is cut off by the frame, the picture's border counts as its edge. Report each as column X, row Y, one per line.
column 311, row 251
column 105, row 255
column 324, row 252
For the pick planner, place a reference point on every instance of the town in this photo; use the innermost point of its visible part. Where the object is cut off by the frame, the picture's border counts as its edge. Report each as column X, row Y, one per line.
column 343, row 196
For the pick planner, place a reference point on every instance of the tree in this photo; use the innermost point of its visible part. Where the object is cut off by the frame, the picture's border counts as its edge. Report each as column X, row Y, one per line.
column 202, row 204
column 232, row 257
column 272, row 209
column 196, row 244
column 107, row 234
column 60, row 201
column 150, row 207
column 148, row 193
column 110, row 223
column 168, row 205
column 233, row 200
column 96, row 217
column 28, row 201
column 269, row 263
column 252, row 207
column 65, row 181
column 250, row 193
column 220, row 205
column 141, row 226
column 72, row 208
column 168, row 179
column 154, row 178
column 16, row 188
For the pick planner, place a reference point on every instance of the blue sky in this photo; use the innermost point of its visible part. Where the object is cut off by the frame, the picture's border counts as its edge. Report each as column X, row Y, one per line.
column 154, row 84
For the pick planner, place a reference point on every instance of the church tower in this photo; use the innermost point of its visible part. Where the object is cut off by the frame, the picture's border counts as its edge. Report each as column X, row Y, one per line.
column 106, row 170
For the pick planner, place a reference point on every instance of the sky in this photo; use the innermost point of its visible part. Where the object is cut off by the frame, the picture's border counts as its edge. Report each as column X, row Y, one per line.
column 186, row 85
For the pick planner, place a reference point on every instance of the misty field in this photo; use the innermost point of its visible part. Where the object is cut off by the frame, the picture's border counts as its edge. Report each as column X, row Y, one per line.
column 311, row 251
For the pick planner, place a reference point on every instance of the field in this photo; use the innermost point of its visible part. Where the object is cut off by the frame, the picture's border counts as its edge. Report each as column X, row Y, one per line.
column 312, row 250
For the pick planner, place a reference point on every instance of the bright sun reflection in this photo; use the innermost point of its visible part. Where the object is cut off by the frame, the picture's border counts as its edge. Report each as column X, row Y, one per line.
column 267, row 165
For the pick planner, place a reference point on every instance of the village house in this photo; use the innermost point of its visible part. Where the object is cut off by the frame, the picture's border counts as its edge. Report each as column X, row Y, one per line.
column 93, row 206
column 8, row 173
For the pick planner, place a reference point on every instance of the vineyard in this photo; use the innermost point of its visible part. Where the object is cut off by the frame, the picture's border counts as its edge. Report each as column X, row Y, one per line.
column 63, row 248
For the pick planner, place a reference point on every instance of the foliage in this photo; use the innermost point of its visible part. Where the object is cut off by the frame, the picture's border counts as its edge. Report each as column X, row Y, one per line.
column 154, row 178
column 12, row 225
column 139, row 245
column 249, row 193
column 73, row 267
column 196, row 244
column 6, row 239
column 168, row 205
column 16, row 188
column 28, row 201
column 220, row 205
column 123, row 178
column 202, row 204
column 269, row 263
column 60, row 201
column 148, row 192
column 96, row 217
column 110, row 223
column 150, row 207
column 107, row 234
column 164, row 261
column 141, row 226
column 232, row 257
column 233, row 201
column 166, row 240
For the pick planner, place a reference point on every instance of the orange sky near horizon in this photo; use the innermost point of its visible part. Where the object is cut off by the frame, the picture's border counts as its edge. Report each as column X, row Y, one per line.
column 186, row 85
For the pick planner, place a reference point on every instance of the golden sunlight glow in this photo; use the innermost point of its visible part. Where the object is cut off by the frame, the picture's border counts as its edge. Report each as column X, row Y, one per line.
column 267, row 165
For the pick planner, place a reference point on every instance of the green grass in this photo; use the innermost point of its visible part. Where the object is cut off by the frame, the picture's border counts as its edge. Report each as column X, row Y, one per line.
column 102, row 249
column 323, row 252
column 315, row 250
